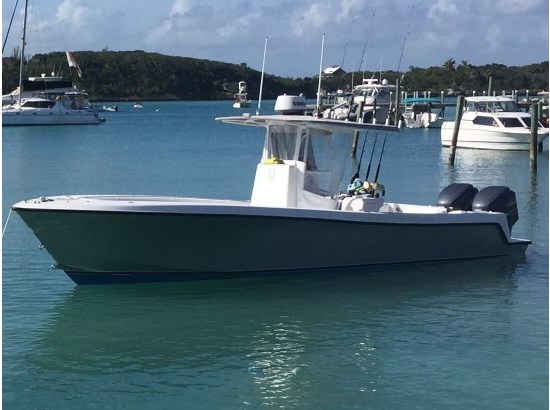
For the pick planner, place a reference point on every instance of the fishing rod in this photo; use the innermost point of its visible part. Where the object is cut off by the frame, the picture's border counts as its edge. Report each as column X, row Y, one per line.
column 366, row 41
column 356, row 175
column 405, row 38
column 346, row 46
column 380, row 160
column 371, row 155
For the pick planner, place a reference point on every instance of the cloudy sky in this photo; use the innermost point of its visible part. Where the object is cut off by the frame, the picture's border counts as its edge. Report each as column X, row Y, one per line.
column 392, row 33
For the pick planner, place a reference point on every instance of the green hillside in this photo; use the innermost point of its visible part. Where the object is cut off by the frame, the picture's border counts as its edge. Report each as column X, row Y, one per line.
column 130, row 75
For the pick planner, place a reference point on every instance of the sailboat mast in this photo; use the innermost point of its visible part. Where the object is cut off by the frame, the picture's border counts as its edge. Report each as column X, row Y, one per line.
column 22, row 52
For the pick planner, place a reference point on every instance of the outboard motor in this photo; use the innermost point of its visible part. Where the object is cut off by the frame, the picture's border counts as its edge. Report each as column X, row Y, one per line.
column 457, row 197
column 498, row 199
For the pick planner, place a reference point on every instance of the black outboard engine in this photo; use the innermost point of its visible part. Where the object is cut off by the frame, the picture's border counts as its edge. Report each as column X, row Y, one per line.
column 498, row 199
column 457, row 197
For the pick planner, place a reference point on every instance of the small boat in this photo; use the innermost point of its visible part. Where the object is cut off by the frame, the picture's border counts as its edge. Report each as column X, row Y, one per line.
column 492, row 122
column 297, row 219
column 138, row 104
column 418, row 113
column 241, row 98
column 112, row 108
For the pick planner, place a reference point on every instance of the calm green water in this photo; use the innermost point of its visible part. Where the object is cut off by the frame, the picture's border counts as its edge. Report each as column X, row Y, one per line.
column 461, row 335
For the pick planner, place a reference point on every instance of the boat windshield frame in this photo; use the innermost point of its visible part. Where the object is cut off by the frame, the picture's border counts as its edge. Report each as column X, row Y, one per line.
column 492, row 106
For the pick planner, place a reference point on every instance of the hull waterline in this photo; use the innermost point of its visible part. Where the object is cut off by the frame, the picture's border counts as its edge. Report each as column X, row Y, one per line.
column 194, row 241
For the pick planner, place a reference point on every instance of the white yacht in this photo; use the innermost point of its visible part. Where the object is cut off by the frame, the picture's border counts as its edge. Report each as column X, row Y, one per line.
column 56, row 102
column 34, row 86
column 298, row 217
column 68, row 109
column 492, row 123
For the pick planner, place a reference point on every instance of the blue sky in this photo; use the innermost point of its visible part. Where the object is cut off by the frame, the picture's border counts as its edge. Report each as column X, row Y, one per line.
column 510, row 32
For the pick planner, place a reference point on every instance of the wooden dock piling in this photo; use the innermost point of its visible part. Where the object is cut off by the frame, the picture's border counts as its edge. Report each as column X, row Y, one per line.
column 534, row 138
column 397, row 104
column 459, row 108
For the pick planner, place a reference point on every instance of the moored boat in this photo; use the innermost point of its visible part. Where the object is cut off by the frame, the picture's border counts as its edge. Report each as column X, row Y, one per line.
column 64, row 110
column 241, row 98
column 298, row 218
column 492, row 122
column 423, row 113
column 374, row 97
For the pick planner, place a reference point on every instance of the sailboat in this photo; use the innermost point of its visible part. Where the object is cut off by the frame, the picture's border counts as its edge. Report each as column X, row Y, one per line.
column 65, row 108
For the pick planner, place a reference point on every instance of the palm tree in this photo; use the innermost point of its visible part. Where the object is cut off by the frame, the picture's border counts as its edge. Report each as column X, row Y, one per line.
column 449, row 65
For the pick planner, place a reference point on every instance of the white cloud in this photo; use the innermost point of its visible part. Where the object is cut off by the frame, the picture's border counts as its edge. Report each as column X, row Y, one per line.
column 511, row 6
column 442, row 12
column 73, row 14
column 234, row 31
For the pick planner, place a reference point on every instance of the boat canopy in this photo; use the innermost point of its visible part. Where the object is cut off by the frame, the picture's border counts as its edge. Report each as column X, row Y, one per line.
column 314, row 150
column 420, row 100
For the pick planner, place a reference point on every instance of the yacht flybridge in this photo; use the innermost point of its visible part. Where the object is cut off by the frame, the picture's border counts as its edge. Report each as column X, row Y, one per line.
column 297, row 218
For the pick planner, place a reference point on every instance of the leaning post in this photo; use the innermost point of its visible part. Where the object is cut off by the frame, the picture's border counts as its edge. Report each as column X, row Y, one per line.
column 534, row 131
column 459, row 108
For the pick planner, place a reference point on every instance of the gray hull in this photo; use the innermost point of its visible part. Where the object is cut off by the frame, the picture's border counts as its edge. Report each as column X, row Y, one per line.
column 109, row 244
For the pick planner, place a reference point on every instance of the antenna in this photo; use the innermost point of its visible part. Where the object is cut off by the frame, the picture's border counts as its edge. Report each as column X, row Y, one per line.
column 320, row 72
column 262, row 80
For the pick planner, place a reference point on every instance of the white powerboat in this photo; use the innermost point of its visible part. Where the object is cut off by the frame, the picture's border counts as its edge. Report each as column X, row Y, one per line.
column 492, row 123
column 419, row 113
column 296, row 219
column 241, row 98
column 374, row 97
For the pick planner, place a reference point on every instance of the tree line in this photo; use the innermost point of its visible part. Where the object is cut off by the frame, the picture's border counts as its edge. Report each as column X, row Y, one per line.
column 131, row 75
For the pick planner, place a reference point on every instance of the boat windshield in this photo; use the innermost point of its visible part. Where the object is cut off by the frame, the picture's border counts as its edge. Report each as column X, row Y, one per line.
column 324, row 153
column 38, row 104
column 492, row 106
column 511, row 122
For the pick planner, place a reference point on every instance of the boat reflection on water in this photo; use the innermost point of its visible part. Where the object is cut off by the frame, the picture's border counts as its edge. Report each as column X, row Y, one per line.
column 274, row 340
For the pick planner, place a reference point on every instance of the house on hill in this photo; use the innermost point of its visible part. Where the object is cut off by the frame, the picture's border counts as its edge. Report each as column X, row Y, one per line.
column 333, row 71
